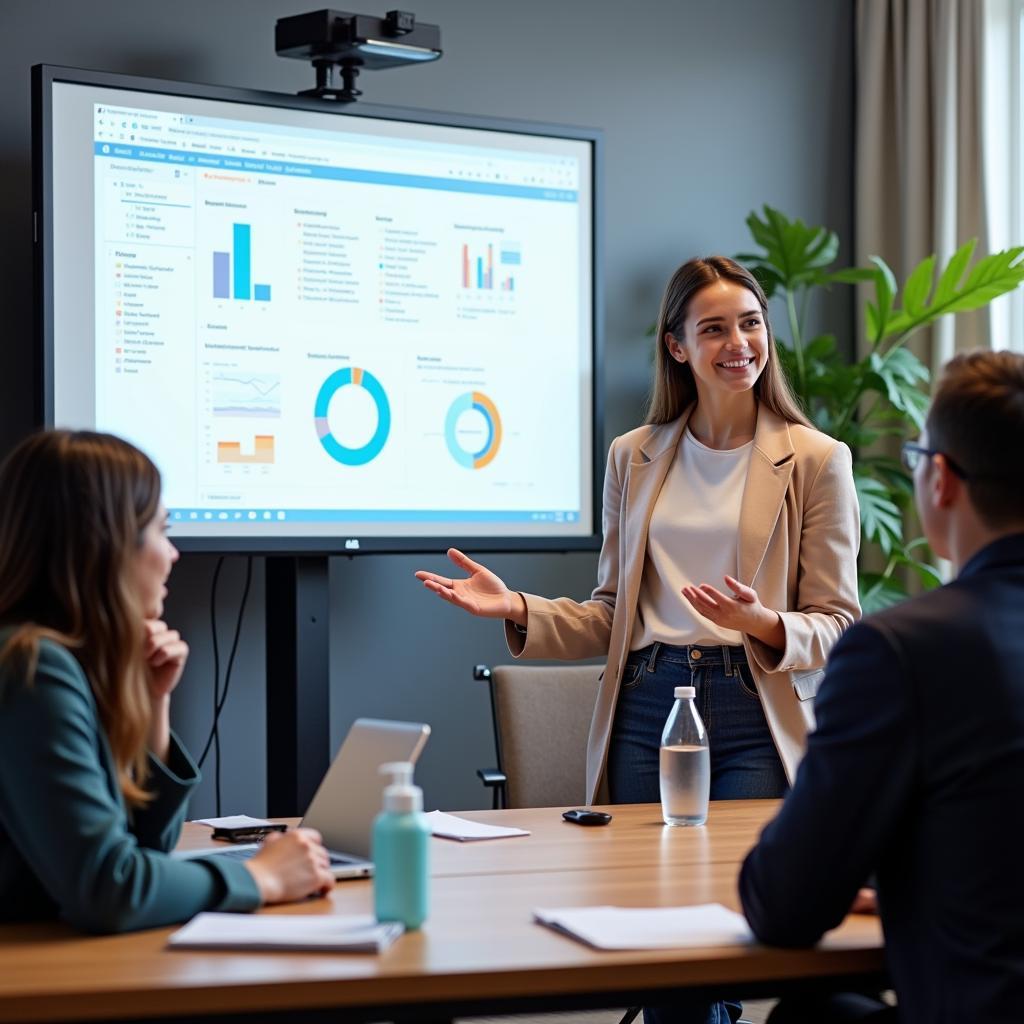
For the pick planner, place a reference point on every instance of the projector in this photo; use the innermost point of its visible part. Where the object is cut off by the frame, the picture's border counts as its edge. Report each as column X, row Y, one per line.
column 331, row 39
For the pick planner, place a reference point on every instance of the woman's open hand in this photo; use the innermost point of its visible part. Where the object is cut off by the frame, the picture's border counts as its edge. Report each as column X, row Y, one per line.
column 482, row 593
column 741, row 610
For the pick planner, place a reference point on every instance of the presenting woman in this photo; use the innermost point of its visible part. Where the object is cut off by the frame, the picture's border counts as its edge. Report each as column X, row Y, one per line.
column 93, row 783
column 731, row 532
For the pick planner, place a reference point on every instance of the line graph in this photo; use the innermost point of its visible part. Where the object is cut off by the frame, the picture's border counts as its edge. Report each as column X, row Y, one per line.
column 234, row 393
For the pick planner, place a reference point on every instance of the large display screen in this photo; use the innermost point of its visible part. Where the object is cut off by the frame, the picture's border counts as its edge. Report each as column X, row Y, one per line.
column 331, row 329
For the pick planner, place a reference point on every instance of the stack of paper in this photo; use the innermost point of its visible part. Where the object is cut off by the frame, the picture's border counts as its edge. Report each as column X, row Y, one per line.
column 622, row 928
column 449, row 826
column 348, row 933
column 234, row 821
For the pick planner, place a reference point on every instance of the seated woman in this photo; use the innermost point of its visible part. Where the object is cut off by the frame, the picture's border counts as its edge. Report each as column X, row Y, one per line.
column 93, row 784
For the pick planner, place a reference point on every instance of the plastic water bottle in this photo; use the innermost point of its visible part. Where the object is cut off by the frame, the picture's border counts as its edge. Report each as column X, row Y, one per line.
column 685, row 763
column 401, row 851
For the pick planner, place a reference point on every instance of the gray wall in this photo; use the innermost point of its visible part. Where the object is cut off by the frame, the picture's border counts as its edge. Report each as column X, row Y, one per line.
column 709, row 107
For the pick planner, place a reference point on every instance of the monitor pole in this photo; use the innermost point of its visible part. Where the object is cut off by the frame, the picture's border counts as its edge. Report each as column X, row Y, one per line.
column 298, row 691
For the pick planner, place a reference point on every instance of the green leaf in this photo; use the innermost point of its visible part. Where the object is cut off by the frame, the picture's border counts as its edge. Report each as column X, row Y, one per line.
column 872, row 320
column 820, row 349
column 898, row 375
column 851, row 275
column 990, row 277
column 949, row 281
column 768, row 278
column 919, row 284
column 880, row 517
column 797, row 252
column 885, row 293
column 929, row 576
column 990, row 269
column 891, row 473
column 823, row 249
column 917, row 407
column 878, row 592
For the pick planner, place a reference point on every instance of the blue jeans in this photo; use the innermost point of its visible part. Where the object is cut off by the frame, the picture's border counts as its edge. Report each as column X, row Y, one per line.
column 744, row 761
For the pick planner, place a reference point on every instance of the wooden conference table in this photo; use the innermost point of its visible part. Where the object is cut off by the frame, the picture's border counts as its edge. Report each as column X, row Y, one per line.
column 479, row 953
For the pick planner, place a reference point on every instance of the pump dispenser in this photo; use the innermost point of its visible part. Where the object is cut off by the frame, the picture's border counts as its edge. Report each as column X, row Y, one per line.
column 401, row 850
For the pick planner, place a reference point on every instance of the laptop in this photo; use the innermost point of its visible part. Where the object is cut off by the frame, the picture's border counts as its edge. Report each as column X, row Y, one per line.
column 350, row 794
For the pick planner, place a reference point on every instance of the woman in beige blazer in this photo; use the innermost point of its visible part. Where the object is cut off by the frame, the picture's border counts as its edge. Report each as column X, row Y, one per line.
column 727, row 477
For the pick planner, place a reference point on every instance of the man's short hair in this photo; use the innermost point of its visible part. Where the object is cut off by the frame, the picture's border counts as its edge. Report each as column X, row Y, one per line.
column 977, row 419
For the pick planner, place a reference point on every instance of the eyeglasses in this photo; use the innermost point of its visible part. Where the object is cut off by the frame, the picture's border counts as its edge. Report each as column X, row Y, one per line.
column 911, row 455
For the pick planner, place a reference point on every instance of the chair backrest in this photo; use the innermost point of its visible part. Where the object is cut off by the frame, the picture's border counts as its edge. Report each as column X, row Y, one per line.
column 542, row 716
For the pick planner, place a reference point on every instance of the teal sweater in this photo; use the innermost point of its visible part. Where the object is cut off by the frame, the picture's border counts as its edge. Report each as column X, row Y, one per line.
column 69, row 847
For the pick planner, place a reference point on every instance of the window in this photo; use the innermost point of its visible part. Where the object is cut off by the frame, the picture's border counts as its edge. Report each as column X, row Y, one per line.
column 1003, row 156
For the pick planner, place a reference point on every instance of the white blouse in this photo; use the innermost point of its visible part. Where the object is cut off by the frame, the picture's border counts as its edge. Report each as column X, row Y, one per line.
column 692, row 539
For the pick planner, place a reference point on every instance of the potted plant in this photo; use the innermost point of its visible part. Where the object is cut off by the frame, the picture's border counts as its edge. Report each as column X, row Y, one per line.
column 885, row 393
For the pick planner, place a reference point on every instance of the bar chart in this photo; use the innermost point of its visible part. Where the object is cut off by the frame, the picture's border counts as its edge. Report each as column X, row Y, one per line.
column 479, row 266
column 262, row 453
column 239, row 284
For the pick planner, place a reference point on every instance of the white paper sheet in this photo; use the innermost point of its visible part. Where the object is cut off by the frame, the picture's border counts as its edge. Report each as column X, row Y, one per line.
column 450, row 826
column 234, row 821
column 347, row 933
column 621, row 928
column 206, row 851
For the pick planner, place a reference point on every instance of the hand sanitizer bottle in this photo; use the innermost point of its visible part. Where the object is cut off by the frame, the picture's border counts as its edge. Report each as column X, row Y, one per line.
column 401, row 851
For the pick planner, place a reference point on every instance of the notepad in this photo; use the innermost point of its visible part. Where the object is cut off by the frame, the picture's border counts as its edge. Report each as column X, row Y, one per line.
column 234, row 821
column 343, row 933
column 451, row 826
column 623, row 928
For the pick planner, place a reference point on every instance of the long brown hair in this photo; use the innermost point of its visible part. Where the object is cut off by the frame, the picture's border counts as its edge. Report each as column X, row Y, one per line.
column 674, row 386
column 73, row 508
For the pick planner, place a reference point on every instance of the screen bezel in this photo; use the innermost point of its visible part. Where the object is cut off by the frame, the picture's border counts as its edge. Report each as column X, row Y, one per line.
column 44, row 77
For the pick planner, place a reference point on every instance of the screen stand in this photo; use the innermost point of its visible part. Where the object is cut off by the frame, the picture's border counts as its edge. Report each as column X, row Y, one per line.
column 298, row 690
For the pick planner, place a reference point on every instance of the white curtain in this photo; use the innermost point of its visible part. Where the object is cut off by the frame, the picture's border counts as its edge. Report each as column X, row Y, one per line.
column 1003, row 149
column 920, row 182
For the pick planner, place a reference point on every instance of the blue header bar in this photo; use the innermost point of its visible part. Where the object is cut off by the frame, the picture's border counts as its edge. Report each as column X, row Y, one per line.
column 174, row 157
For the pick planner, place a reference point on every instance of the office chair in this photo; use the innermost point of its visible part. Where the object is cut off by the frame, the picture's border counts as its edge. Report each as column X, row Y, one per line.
column 541, row 716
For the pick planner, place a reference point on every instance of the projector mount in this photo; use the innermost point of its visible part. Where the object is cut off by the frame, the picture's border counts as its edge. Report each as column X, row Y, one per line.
column 337, row 40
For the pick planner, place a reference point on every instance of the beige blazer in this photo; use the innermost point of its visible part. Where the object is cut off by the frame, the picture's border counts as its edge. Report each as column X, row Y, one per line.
column 799, row 534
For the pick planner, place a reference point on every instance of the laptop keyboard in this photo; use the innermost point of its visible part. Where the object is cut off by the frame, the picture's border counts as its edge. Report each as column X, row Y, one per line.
column 337, row 859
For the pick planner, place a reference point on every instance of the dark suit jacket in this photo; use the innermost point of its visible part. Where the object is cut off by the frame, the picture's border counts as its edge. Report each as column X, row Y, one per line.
column 916, row 772
column 68, row 845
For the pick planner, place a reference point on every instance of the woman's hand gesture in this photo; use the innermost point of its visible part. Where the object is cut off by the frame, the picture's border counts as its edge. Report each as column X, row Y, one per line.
column 165, row 653
column 482, row 593
column 742, row 610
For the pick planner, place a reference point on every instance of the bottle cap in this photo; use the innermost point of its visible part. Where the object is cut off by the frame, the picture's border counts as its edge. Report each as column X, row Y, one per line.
column 685, row 691
column 400, row 795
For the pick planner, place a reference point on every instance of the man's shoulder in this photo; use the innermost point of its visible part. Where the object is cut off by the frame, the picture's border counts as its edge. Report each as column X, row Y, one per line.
column 932, row 618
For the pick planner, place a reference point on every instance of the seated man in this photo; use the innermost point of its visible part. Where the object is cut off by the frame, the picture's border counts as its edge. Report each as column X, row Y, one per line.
column 916, row 770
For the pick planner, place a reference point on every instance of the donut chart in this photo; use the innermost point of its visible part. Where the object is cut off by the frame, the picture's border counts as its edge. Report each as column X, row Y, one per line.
column 337, row 451
column 479, row 402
